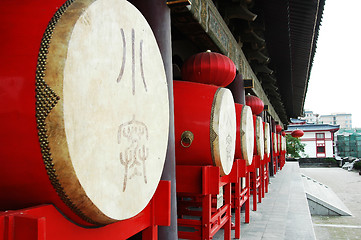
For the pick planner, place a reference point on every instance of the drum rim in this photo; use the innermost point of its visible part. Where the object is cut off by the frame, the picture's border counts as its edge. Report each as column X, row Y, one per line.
column 225, row 169
column 247, row 147
column 259, row 137
column 48, row 87
column 275, row 148
column 267, row 139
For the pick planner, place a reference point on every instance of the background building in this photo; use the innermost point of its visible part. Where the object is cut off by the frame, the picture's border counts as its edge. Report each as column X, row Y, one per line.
column 318, row 138
column 342, row 119
column 311, row 117
column 349, row 143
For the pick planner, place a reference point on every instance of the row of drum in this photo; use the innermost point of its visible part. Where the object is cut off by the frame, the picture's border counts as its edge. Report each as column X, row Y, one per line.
column 84, row 112
column 210, row 129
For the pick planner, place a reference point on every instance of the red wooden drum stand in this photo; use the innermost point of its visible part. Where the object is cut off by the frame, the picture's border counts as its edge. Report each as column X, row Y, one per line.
column 265, row 174
column 197, row 213
column 239, row 175
column 264, row 170
column 275, row 153
column 255, row 181
column 45, row 222
column 254, row 169
column 240, row 181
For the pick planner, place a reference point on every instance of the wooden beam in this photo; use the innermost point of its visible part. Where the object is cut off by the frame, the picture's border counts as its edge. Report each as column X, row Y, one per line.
column 205, row 14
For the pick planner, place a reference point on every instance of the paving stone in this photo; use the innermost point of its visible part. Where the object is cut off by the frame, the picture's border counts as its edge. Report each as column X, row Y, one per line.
column 283, row 213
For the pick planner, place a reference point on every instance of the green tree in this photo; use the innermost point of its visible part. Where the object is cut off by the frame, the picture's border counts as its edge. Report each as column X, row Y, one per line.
column 294, row 146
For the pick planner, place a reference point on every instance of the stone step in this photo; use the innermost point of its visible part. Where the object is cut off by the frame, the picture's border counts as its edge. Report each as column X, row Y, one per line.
column 322, row 200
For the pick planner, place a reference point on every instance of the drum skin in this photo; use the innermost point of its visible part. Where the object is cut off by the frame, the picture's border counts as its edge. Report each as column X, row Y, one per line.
column 194, row 104
column 279, row 142
column 245, row 133
column 275, row 142
column 258, row 136
column 39, row 130
column 267, row 139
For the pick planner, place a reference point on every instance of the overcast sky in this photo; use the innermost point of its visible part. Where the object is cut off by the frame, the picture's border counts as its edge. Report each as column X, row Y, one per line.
column 335, row 82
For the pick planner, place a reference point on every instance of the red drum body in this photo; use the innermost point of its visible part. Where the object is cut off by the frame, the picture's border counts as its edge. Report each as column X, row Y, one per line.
column 267, row 139
column 205, row 125
column 258, row 136
column 245, row 133
column 75, row 132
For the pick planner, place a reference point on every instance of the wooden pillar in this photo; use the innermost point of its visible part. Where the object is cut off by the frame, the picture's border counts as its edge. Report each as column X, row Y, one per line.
column 157, row 14
column 237, row 89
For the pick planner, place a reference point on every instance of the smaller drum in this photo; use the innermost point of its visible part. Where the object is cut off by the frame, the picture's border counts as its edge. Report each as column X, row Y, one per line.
column 267, row 139
column 284, row 144
column 279, row 145
column 245, row 133
column 259, row 137
column 275, row 148
column 205, row 125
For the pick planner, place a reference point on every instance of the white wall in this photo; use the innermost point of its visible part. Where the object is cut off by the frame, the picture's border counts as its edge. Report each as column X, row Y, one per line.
column 309, row 139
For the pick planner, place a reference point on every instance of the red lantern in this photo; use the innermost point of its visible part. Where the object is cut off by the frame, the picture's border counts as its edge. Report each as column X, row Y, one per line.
column 297, row 133
column 255, row 103
column 209, row 68
column 283, row 133
column 278, row 128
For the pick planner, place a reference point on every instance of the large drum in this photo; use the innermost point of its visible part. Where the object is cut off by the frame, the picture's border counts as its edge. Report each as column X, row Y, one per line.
column 84, row 108
column 267, row 139
column 245, row 133
column 258, row 136
column 205, row 125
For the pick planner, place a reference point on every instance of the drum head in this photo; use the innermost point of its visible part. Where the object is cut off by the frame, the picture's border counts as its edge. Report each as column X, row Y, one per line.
column 247, row 134
column 275, row 140
column 279, row 145
column 223, row 130
column 267, row 140
column 259, row 137
column 107, row 129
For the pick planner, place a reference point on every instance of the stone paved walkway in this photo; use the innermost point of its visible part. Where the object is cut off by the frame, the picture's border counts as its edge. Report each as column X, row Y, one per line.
column 283, row 213
column 347, row 186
